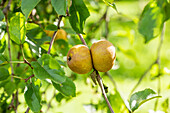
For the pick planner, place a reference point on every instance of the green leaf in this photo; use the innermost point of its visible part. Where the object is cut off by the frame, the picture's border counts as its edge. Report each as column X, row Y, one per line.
column 138, row 98
column 111, row 4
column 2, row 45
column 59, row 6
column 48, row 68
column 17, row 28
column 120, row 106
column 167, row 11
column 67, row 88
column 2, row 59
column 4, row 74
column 51, row 27
column 79, row 13
column 28, row 5
column 61, row 46
column 152, row 19
column 9, row 87
column 1, row 15
column 33, row 98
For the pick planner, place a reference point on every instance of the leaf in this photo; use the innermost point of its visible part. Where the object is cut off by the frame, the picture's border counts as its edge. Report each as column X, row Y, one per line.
column 48, row 68
column 17, row 28
column 61, row 46
column 2, row 45
column 2, row 59
column 4, row 74
column 120, row 107
column 109, row 3
column 59, row 6
column 167, row 11
column 138, row 98
column 9, row 87
column 152, row 19
column 67, row 88
column 28, row 5
column 79, row 13
column 1, row 15
column 33, row 98
column 51, row 27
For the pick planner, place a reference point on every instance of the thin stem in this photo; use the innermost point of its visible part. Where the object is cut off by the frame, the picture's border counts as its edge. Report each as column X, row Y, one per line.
column 25, row 60
column 99, row 80
column 141, row 78
column 157, row 61
column 82, row 39
column 18, row 62
column 159, row 65
column 29, row 78
column 27, row 110
column 49, row 104
column 17, row 77
column 5, row 11
column 54, row 35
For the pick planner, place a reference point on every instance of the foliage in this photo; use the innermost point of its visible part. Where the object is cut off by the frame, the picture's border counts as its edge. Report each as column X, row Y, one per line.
column 36, row 77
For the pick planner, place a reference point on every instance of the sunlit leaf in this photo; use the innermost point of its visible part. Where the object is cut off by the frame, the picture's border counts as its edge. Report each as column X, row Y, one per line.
column 120, row 107
column 138, row 98
column 152, row 19
column 17, row 28
column 48, row 68
column 4, row 74
column 2, row 59
column 33, row 98
column 67, row 88
column 2, row 44
column 111, row 4
column 59, row 6
column 78, row 15
column 165, row 105
column 28, row 5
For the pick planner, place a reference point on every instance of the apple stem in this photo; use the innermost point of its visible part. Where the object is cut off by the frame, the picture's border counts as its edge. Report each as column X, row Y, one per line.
column 55, row 33
column 99, row 79
column 82, row 39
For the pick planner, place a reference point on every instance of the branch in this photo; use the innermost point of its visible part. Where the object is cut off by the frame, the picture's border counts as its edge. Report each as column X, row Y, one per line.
column 82, row 39
column 159, row 65
column 157, row 61
column 5, row 11
column 29, row 78
column 49, row 104
column 55, row 33
column 99, row 79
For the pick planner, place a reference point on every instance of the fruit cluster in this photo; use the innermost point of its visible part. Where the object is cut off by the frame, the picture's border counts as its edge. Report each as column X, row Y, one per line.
column 101, row 56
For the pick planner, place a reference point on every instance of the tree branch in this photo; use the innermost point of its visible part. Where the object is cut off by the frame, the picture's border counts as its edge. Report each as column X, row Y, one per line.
column 99, row 80
column 29, row 78
column 55, row 33
column 27, row 110
column 5, row 11
column 157, row 61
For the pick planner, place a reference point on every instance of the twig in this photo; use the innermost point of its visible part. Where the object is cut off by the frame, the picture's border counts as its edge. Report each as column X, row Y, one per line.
column 29, row 78
column 12, row 102
column 82, row 39
column 99, row 80
column 54, row 35
column 5, row 11
column 157, row 61
column 49, row 104
column 159, row 65
column 27, row 110
column 17, row 101
column 25, row 60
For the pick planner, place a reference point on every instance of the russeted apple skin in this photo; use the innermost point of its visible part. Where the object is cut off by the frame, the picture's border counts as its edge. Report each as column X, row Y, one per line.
column 103, row 55
column 79, row 59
